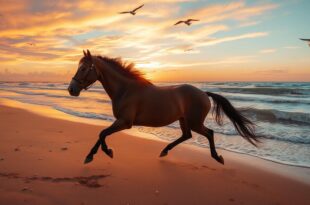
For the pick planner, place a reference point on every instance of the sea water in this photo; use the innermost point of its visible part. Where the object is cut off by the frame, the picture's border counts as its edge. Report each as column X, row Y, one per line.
column 281, row 112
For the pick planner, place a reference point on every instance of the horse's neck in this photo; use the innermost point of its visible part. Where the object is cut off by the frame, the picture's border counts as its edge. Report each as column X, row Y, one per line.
column 113, row 83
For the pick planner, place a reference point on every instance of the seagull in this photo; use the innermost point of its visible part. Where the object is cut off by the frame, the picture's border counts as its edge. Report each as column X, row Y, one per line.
column 307, row 40
column 187, row 22
column 133, row 12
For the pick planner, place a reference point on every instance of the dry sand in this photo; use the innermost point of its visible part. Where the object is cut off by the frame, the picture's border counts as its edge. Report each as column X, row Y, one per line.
column 41, row 162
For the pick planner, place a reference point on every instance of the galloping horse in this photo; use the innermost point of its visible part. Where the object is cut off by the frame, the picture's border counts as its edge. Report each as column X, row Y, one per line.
column 136, row 101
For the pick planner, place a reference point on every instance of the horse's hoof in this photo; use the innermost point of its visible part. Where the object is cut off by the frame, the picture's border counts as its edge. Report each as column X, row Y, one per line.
column 88, row 159
column 220, row 159
column 163, row 154
column 110, row 153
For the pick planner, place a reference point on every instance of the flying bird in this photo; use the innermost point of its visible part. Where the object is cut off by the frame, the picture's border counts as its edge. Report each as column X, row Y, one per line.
column 31, row 44
column 187, row 22
column 133, row 12
column 307, row 40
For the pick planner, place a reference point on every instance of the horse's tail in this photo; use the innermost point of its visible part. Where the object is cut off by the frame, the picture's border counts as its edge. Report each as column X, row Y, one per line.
column 244, row 126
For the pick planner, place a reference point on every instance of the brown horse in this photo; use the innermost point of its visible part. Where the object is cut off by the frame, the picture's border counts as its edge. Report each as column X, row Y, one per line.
column 136, row 101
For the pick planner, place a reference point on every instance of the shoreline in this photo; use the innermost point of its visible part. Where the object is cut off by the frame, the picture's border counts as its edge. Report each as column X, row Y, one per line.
column 42, row 163
column 295, row 172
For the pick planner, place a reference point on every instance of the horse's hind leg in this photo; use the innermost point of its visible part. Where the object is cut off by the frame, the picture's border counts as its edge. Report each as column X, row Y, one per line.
column 186, row 134
column 209, row 134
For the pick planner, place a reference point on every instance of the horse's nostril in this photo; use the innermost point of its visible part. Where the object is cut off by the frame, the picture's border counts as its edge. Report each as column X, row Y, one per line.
column 70, row 89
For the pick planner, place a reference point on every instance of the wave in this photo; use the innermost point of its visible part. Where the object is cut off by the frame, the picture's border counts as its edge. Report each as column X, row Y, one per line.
column 24, row 84
column 269, row 91
column 295, row 140
column 89, row 115
column 269, row 100
column 261, row 84
column 49, row 87
column 274, row 116
column 57, row 96
column 285, row 135
column 283, row 84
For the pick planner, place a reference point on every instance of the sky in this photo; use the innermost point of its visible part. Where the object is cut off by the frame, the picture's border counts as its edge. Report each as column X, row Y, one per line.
column 232, row 41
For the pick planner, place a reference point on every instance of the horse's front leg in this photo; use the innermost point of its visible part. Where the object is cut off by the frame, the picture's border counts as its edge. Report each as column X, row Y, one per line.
column 118, row 125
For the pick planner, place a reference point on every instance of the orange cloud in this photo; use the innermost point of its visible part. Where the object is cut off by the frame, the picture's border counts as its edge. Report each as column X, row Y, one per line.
column 61, row 29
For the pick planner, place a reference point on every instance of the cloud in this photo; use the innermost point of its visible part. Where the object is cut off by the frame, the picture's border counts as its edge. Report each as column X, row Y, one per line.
column 233, row 11
column 270, row 71
column 181, row 64
column 291, row 47
column 269, row 50
column 233, row 38
column 248, row 23
column 61, row 29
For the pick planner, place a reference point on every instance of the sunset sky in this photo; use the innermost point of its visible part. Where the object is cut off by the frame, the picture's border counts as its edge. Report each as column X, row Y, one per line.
column 233, row 41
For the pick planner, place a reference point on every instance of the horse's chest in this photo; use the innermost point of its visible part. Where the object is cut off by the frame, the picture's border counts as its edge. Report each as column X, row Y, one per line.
column 121, row 110
column 116, row 110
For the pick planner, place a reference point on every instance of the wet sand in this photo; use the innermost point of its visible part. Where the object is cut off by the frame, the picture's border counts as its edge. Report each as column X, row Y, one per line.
column 41, row 162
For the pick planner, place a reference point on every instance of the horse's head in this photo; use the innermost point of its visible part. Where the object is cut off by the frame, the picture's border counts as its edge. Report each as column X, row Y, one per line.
column 85, row 75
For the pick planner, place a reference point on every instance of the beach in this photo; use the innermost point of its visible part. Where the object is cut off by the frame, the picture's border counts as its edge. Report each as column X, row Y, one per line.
column 42, row 163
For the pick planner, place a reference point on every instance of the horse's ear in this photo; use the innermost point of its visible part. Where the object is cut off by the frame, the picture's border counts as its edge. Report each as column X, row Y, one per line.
column 84, row 53
column 88, row 54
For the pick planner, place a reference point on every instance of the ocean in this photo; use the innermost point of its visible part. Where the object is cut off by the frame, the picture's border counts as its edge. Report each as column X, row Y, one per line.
column 281, row 111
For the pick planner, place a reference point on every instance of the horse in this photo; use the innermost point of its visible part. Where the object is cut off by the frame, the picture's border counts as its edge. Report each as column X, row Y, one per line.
column 137, row 101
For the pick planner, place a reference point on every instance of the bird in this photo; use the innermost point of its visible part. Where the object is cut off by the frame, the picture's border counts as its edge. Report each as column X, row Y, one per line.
column 31, row 44
column 133, row 12
column 188, row 49
column 187, row 22
column 307, row 40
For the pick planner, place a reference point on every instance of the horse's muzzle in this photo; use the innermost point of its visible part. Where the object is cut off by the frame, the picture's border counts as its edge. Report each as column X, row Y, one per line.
column 74, row 89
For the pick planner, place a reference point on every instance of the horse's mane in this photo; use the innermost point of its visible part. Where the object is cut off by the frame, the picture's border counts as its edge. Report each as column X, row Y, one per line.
column 126, row 69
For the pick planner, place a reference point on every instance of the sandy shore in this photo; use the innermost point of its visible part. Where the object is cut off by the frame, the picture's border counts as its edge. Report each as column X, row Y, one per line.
column 41, row 162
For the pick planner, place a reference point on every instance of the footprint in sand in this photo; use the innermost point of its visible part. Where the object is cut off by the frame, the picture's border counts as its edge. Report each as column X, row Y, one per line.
column 90, row 181
column 256, row 186
column 231, row 199
column 206, row 167
column 26, row 189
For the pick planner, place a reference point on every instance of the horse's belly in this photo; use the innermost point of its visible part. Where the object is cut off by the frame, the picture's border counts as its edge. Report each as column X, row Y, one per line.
column 154, row 122
column 157, row 116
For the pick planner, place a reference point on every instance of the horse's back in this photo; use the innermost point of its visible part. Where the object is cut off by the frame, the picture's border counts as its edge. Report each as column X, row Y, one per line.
column 160, row 106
